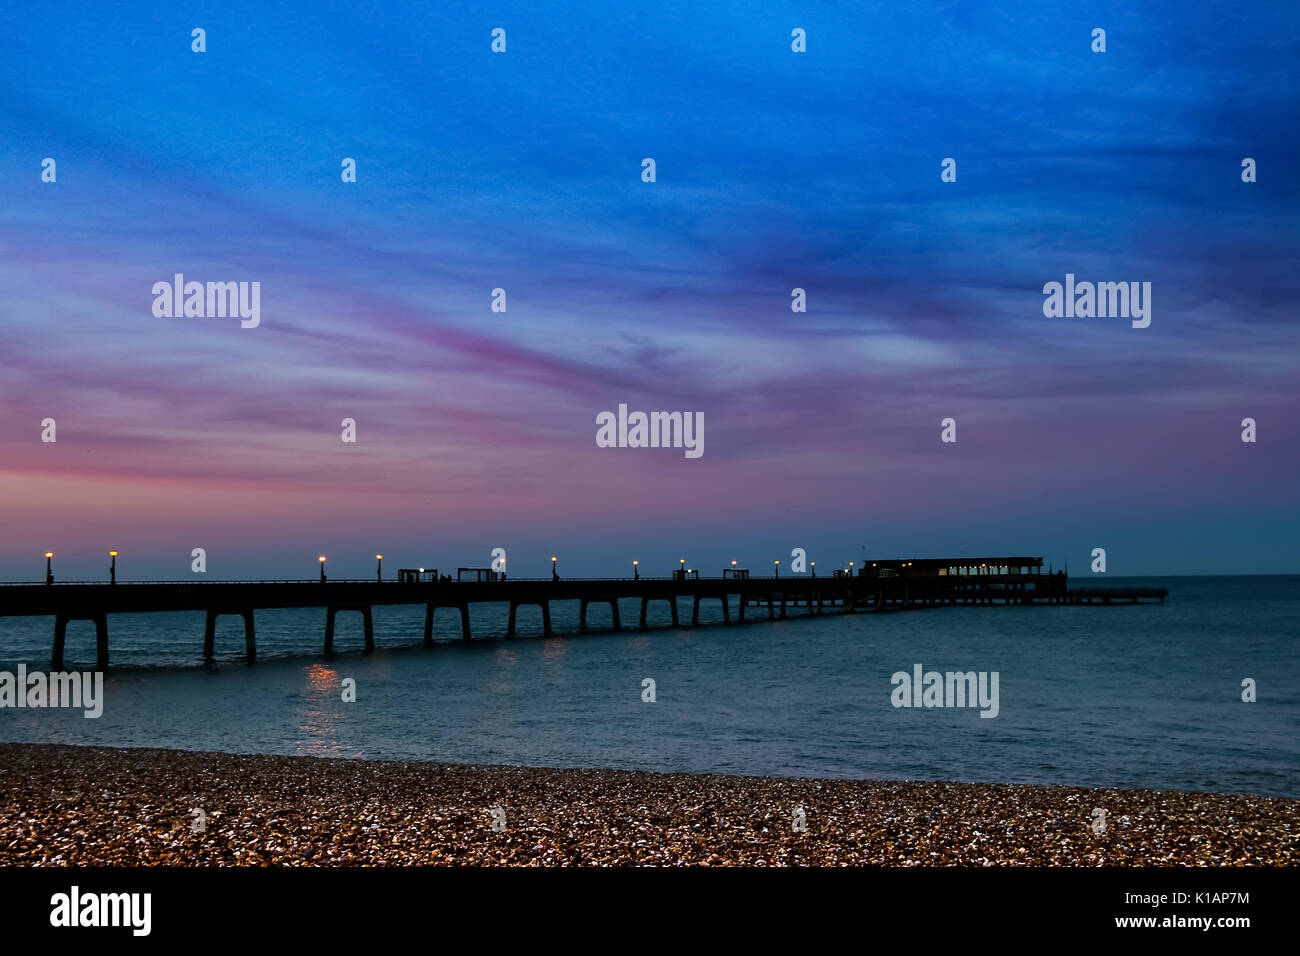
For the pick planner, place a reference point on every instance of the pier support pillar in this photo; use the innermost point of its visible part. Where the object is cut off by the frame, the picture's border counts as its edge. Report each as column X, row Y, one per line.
column 613, row 609
column 61, row 633
column 367, row 621
column 672, row 604
column 463, row 608
column 101, row 641
column 695, row 610
column 546, row 616
column 210, row 633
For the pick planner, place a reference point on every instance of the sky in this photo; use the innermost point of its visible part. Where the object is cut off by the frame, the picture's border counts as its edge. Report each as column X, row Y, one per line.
column 522, row 170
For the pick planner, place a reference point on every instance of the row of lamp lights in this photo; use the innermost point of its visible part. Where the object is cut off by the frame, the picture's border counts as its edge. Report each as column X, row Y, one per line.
column 379, row 568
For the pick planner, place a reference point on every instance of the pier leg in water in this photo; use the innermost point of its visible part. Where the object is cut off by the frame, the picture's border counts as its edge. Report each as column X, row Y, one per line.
column 514, row 607
column 672, row 605
column 60, row 633
column 367, row 623
column 464, row 622
column 209, row 634
column 428, row 625
column 613, row 611
column 695, row 611
column 101, row 640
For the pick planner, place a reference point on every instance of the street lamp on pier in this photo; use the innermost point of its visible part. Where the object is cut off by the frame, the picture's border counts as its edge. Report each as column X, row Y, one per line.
column 49, row 568
column 322, row 568
column 112, row 567
column 379, row 569
column 776, row 568
column 636, row 570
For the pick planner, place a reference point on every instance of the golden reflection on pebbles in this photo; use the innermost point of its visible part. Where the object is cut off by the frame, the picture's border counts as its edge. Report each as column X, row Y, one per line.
column 97, row 806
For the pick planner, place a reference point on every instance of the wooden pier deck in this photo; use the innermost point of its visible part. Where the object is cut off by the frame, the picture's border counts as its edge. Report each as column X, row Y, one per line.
column 846, row 593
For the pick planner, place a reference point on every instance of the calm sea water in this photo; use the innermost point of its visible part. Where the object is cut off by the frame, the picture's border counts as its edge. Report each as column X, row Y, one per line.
column 1122, row 696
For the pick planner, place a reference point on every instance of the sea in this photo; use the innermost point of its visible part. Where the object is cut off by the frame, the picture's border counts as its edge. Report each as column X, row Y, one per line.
column 1135, row 696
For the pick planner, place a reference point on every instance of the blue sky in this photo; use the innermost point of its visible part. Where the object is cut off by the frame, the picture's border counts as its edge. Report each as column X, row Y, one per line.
column 775, row 170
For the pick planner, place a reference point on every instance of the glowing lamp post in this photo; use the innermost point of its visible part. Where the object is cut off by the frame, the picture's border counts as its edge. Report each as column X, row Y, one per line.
column 49, row 568
column 321, row 559
column 112, row 567
column 636, row 570
column 776, row 569
column 379, row 569
column 813, row 565
column 555, row 570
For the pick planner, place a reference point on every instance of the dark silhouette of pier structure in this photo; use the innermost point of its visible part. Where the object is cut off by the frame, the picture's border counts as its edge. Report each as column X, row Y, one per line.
column 878, row 586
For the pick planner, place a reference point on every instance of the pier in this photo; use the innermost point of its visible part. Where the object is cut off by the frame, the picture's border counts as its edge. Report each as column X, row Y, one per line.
column 879, row 586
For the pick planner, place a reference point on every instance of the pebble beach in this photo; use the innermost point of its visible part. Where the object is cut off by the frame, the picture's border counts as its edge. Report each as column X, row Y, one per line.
column 92, row 806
